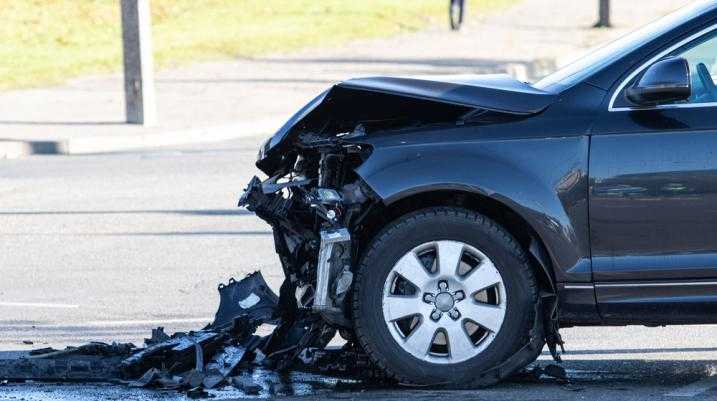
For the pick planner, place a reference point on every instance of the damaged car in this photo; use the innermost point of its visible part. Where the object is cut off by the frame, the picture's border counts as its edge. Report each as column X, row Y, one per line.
column 450, row 225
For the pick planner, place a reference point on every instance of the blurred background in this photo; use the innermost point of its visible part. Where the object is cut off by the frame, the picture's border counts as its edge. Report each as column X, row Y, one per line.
column 112, row 224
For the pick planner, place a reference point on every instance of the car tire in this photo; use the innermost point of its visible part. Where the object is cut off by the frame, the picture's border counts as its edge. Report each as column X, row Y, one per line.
column 419, row 237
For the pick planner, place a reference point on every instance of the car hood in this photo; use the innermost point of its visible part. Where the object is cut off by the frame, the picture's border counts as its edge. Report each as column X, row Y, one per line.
column 498, row 92
column 370, row 97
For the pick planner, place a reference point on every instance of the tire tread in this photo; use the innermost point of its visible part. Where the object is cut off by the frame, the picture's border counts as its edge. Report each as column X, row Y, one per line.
column 405, row 222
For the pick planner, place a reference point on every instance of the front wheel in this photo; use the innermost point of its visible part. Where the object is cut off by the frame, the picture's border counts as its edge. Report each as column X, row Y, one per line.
column 442, row 295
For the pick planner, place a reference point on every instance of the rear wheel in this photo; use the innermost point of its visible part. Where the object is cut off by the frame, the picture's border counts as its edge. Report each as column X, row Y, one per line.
column 442, row 295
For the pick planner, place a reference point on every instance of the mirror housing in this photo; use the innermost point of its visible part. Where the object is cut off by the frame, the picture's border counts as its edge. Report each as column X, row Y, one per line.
column 664, row 82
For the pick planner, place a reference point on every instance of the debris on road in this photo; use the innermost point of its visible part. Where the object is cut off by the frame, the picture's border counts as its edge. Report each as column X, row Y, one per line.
column 553, row 371
column 240, row 297
column 90, row 362
column 221, row 354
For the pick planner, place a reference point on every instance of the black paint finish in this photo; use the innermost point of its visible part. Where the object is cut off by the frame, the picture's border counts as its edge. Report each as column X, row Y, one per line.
column 653, row 205
column 658, row 303
column 491, row 92
column 544, row 181
column 625, row 199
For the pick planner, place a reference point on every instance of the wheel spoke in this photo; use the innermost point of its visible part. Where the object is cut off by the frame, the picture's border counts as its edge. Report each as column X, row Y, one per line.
column 449, row 256
column 459, row 344
column 482, row 277
column 420, row 339
column 411, row 268
column 396, row 306
column 443, row 301
column 488, row 316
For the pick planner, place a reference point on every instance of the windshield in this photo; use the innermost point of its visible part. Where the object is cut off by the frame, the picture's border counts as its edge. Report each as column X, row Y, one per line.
column 598, row 59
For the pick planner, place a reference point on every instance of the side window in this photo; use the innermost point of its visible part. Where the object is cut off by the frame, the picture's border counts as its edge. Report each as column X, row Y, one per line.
column 701, row 55
column 703, row 70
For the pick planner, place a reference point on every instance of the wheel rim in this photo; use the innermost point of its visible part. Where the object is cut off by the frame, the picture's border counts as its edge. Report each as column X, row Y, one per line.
column 444, row 302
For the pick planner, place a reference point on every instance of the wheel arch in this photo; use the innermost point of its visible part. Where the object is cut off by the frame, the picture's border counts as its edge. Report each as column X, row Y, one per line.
column 541, row 182
column 527, row 237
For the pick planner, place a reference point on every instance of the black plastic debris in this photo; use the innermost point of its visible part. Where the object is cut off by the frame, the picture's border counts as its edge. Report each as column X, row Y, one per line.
column 227, row 352
column 41, row 351
column 227, row 360
column 147, row 379
column 158, row 336
column 538, row 373
column 249, row 297
column 90, row 362
column 247, row 385
column 556, row 371
column 347, row 361
column 177, row 354
column 197, row 393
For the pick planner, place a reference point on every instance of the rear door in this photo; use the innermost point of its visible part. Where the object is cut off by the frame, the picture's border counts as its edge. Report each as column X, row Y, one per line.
column 653, row 201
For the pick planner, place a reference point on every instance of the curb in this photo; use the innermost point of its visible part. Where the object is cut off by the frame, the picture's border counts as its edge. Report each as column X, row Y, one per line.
column 16, row 148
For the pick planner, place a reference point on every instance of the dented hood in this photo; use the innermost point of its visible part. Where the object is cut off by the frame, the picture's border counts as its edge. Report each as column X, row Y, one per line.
column 374, row 97
column 498, row 92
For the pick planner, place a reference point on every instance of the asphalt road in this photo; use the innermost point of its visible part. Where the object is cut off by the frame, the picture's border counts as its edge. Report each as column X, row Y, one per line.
column 106, row 247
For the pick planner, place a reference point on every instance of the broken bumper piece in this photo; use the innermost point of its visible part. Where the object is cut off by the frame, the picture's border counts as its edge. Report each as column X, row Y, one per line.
column 250, row 297
column 224, row 353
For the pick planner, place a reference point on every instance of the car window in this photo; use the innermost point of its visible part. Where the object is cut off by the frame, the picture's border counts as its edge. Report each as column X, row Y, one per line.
column 600, row 58
column 701, row 55
column 702, row 59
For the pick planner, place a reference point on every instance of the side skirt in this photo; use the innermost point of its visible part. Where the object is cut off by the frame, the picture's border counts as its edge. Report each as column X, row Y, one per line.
column 657, row 302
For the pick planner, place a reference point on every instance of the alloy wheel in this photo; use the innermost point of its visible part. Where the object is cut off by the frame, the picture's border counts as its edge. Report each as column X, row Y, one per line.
column 444, row 302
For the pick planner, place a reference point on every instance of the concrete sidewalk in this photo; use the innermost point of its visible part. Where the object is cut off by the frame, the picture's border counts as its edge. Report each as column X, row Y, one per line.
column 248, row 97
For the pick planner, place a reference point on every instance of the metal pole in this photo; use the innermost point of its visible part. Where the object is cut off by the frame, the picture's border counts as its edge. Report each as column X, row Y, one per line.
column 604, row 11
column 140, row 103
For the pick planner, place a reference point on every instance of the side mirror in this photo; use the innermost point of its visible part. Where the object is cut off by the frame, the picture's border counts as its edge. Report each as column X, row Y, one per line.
column 664, row 82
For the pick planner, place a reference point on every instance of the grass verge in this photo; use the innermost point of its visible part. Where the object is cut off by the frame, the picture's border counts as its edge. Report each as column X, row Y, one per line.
column 48, row 41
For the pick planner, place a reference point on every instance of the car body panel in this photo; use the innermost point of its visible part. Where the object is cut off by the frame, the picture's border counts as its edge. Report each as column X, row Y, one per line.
column 653, row 214
column 371, row 96
column 498, row 92
column 543, row 180
column 621, row 199
column 658, row 302
column 653, row 206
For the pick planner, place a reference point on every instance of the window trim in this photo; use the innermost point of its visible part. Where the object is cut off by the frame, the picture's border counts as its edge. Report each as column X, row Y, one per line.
column 650, row 62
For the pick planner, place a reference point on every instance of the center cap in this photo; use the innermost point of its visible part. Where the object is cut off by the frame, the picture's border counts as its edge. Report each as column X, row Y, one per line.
column 444, row 302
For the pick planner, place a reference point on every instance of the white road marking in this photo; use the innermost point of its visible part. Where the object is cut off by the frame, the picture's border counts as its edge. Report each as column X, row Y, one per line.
column 38, row 305
column 106, row 324
column 118, row 323
column 694, row 389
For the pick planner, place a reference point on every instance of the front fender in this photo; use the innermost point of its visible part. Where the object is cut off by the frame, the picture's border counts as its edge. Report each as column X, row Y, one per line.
column 543, row 180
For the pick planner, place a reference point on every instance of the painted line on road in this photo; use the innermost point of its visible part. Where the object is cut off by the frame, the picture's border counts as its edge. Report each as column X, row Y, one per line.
column 120, row 323
column 694, row 389
column 105, row 324
column 38, row 305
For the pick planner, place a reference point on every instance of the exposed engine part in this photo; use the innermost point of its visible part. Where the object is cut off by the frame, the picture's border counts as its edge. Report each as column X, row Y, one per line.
column 334, row 257
column 343, row 284
column 312, row 203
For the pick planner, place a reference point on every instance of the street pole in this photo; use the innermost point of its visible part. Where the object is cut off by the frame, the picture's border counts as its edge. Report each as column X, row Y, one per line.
column 604, row 17
column 140, row 106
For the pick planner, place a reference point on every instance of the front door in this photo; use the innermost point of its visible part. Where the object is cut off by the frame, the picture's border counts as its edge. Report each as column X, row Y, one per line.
column 653, row 202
